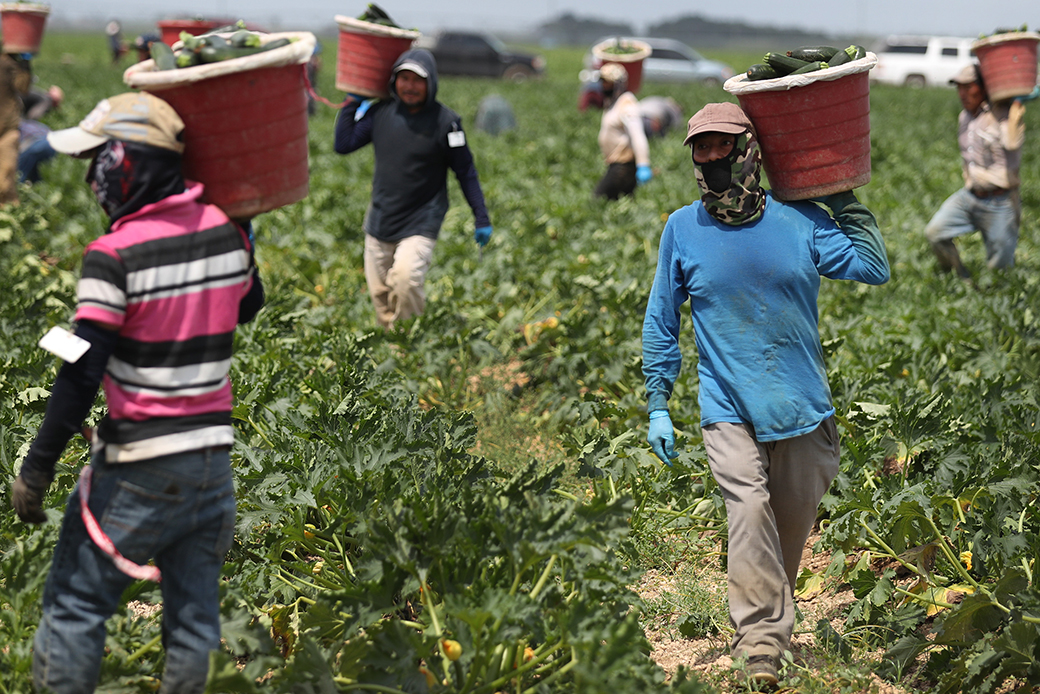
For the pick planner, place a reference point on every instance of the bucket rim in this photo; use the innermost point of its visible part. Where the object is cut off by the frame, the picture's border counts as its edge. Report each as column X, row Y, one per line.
column 740, row 84
column 1006, row 37
column 144, row 75
column 356, row 25
column 599, row 51
column 35, row 8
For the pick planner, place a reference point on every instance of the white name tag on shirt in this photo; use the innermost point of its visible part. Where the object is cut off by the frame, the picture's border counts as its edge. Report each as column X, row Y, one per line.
column 62, row 343
column 456, row 138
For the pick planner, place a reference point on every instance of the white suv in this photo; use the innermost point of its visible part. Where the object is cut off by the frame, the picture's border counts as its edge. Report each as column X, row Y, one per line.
column 921, row 61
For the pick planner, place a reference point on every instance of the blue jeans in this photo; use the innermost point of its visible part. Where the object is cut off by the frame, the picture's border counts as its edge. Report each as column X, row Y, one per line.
column 178, row 510
column 31, row 157
column 997, row 217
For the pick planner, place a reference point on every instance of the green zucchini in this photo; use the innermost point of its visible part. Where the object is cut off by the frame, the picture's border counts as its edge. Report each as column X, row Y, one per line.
column 810, row 67
column 813, row 53
column 860, row 52
column 783, row 64
column 840, row 58
column 277, row 43
column 163, row 56
column 761, row 71
column 243, row 39
column 187, row 58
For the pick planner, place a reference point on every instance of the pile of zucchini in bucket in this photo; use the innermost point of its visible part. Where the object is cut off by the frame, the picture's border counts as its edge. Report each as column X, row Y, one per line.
column 212, row 48
column 803, row 60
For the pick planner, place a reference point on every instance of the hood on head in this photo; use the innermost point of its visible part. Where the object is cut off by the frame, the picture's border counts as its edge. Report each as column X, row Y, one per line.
column 420, row 60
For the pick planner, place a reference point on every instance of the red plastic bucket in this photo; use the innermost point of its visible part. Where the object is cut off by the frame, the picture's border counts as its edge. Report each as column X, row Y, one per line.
column 367, row 52
column 171, row 28
column 814, row 129
column 632, row 62
column 245, row 130
column 22, row 24
column 1008, row 63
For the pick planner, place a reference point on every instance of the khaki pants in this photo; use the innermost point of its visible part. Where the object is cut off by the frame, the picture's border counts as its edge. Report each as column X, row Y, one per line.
column 772, row 492
column 395, row 273
column 9, row 167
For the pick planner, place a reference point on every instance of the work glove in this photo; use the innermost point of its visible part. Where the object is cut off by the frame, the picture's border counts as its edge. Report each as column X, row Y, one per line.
column 836, row 202
column 662, row 436
column 27, row 499
column 482, row 235
column 362, row 109
column 1030, row 96
column 643, row 174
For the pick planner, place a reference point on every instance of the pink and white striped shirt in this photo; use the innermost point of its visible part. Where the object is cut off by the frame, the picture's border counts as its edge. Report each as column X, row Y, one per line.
column 169, row 278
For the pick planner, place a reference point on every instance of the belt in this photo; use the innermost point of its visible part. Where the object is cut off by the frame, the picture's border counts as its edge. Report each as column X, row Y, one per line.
column 982, row 193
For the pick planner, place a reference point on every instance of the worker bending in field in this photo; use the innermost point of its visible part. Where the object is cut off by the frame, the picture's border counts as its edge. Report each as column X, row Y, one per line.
column 750, row 266
column 416, row 141
column 622, row 139
column 160, row 295
column 990, row 138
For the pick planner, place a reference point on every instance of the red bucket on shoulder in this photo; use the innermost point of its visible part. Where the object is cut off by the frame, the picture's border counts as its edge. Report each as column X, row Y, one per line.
column 632, row 61
column 170, row 29
column 367, row 53
column 22, row 24
column 1008, row 63
column 245, row 128
column 815, row 137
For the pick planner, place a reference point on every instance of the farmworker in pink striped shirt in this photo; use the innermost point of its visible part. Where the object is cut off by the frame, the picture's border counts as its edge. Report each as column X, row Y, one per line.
column 159, row 298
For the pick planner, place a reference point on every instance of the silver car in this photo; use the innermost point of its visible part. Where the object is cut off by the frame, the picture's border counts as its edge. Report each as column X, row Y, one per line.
column 673, row 61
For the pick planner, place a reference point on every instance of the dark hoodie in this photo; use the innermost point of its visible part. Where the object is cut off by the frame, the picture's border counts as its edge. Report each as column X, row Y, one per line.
column 412, row 156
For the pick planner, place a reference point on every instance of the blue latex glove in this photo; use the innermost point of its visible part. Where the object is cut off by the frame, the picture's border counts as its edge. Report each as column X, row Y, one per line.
column 1030, row 96
column 363, row 108
column 662, row 436
column 482, row 235
column 643, row 174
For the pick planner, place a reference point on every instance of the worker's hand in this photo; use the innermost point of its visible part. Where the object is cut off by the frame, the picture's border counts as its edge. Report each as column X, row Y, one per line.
column 57, row 95
column 362, row 109
column 643, row 174
column 836, row 202
column 662, row 436
column 482, row 235
column 27, row 499
column 1030, row 96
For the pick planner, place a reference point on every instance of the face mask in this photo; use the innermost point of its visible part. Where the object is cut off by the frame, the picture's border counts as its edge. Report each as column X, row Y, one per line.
column 126, row 176
column 731, row 189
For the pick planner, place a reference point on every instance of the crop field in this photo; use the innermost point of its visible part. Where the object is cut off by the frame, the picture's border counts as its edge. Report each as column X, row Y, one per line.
column 468, row 504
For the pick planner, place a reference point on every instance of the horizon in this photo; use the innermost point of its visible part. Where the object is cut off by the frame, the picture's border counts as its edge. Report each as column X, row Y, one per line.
column 859, row 17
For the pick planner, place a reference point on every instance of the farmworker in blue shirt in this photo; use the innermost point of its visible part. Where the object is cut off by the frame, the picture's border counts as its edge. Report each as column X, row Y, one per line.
column 990, row 138
column 750, row 266
column 416, row 141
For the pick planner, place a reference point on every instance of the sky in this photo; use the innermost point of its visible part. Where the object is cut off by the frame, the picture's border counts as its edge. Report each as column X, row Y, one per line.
column 844, row 17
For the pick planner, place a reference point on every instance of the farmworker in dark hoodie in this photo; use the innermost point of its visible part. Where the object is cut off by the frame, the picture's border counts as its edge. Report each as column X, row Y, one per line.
column 750, row 266
column 158, row 301
column 416, row 141
column 990, row 138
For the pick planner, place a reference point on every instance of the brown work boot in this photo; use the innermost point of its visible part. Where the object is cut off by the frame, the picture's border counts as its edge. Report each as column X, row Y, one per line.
column 761, row 673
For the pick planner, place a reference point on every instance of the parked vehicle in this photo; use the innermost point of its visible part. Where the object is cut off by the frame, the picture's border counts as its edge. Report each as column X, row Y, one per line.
column 481, row 55
column 673, row 61
column 920, row 61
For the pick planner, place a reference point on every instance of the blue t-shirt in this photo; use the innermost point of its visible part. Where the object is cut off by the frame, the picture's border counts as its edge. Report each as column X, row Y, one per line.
column 752, row 290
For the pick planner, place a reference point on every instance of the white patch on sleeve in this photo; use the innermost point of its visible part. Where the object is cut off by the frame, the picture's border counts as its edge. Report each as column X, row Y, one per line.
column 456, row 138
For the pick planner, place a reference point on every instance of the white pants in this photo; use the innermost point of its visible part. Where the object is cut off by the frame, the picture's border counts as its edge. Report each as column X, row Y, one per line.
column 772, row 491
column 395, row 273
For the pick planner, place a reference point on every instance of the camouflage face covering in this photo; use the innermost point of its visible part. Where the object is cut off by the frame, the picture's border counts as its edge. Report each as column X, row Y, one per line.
column 743, row 199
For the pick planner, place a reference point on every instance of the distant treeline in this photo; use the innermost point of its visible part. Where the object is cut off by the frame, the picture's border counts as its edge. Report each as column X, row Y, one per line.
column 697, row 31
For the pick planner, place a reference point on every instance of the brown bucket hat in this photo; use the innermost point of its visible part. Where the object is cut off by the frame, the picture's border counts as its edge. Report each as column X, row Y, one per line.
column 723, row 117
